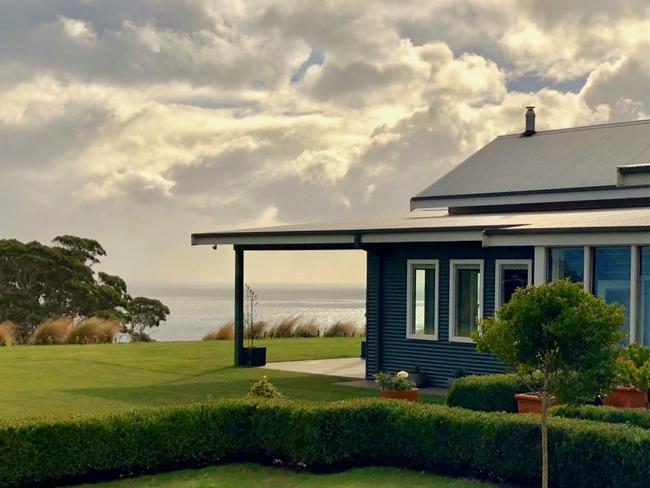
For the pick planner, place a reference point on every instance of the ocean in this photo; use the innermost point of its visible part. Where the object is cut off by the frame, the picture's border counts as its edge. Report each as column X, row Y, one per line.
column 197, row 311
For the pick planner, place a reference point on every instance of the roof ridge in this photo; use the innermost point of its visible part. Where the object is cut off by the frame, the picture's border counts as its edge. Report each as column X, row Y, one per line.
column 606, row 125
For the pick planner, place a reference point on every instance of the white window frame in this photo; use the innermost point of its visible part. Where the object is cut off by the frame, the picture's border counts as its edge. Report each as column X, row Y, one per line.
column 453, row 264
column 498, row 270
column 410, row 266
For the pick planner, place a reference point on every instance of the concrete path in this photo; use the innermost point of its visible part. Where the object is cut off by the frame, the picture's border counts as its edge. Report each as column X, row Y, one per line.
column 343, row 367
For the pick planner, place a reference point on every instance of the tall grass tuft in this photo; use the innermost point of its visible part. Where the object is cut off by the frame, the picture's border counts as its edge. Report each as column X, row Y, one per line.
column 93, row 330
column 257, row 331
column 52, row 331
column 285, row 327
column 224, row 333
column 308, row 329
column 7, row 330
column 341, row 329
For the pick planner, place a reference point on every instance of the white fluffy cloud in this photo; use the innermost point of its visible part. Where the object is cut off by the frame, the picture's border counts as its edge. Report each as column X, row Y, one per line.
column 145, row 120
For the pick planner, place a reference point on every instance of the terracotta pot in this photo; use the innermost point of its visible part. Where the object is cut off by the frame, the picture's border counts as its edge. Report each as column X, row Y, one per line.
column 409, row 395
column 626, row 397
column 530, row 403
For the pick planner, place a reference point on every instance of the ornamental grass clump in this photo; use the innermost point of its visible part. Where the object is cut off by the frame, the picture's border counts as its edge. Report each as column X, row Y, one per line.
column 394, row 382
column 52, row 331
column 263, row 388
column 224, row 333
column 7, row 330
column 93, row 330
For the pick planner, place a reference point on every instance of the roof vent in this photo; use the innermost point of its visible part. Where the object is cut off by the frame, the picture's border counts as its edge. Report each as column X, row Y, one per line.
column 530, row 121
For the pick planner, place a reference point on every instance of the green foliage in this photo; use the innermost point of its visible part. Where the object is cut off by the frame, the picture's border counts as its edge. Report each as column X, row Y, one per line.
column 490, row 393
column 612, row 415
column 263, row 388
column 395, row 382
column 38, row 282
column 560, row 331
column 145, row 313
column 458, row 442
column 633, row 367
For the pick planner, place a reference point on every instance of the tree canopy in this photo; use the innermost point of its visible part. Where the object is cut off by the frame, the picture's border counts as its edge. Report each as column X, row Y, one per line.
column 38, row 282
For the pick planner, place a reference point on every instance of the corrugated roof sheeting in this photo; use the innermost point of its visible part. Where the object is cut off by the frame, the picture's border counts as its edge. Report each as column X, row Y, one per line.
column 555, row 159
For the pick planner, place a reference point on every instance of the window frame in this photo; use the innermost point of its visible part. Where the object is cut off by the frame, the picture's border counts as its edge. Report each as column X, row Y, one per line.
column 453, row 264
column 498, row 270
column 411, row 265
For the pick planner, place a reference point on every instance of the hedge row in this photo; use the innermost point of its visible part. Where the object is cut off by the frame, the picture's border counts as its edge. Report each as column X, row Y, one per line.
column 629, row 416
column 491, row 393
column 494, row 446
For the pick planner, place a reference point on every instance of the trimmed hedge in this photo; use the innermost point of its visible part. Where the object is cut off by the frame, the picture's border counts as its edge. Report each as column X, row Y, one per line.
column 490, row 393
column 494, row 446
column 629, row 416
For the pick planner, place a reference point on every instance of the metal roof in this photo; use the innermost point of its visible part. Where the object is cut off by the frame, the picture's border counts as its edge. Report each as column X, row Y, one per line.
column 407, row 228
column 564, row 159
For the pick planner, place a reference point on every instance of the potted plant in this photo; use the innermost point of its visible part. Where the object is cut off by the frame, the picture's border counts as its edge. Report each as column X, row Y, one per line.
column 632, row 378
column 398, row 386
column 418, row 377
column 253, row 356
column 558, row 334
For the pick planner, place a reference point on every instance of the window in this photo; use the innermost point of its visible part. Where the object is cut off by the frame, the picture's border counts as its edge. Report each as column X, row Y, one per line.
column 465, row 298
column 611, row 277
column 566, row 262
column 422, row 299
column 644, row 295
column 510, row 275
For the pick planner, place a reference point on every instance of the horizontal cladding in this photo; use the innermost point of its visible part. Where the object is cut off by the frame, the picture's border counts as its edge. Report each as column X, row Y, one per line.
column 372, row 313
column 440, row 359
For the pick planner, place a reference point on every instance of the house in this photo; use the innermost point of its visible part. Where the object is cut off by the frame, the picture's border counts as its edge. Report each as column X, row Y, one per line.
column 526, row 208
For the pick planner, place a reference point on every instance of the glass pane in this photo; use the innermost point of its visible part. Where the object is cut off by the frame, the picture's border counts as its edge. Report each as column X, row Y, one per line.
column 467, row 299
column 513, row 276
column 644, row 295
column 424, row 300
column 612, row 277
column 566, row 262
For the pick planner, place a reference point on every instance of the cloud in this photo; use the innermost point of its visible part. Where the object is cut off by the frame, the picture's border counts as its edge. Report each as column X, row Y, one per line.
column 144, row 120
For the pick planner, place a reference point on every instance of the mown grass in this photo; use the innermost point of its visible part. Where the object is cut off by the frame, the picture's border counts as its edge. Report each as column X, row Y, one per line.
column 106, row 378
column 255, row 476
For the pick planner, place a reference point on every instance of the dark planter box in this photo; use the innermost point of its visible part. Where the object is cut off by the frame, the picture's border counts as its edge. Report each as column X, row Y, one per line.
column 420, row 379
column 364, row 349
column 255, row 356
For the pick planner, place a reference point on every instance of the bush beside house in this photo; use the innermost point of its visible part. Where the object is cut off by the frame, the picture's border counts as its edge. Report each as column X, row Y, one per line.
column 340, row 435
column 490, row 393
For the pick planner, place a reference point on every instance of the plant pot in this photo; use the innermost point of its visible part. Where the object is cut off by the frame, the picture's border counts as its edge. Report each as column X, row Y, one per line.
column 420, row 379
column 408, row 395
column 255, row 356
column 530, row 403
column 626, row 397
column 364, row 349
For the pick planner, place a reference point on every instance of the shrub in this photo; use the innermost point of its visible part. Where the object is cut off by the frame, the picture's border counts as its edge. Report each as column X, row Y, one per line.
column 224, row 333
column 93, row 330
column 396, row 382
column 309, row 329
column 500, row 447
column 263, row 388
column 341, row 329
column 490, row 393
column 285, row 327
column 7, row 330
column 629, row 416
column 633, row 367
column 140, row 337
column 52, row 331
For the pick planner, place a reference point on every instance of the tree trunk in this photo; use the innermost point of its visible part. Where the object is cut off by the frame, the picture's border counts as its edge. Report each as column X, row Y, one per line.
column 544, row 438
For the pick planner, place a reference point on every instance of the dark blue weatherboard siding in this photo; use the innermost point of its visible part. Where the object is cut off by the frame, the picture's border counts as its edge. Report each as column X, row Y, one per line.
column 389, row 349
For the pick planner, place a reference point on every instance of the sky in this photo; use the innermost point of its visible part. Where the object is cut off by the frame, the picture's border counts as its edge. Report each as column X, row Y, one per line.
column 138, row 122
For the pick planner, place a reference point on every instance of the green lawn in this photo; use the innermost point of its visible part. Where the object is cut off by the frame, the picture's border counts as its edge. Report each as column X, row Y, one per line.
column 40, row 380
column 254, row 476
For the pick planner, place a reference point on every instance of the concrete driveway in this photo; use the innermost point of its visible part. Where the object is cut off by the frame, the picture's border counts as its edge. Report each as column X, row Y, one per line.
column 341, row 367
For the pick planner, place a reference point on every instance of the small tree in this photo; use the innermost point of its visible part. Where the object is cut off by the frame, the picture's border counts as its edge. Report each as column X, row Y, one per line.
column 144, row 313
column 251, row 299
column 559, row 336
